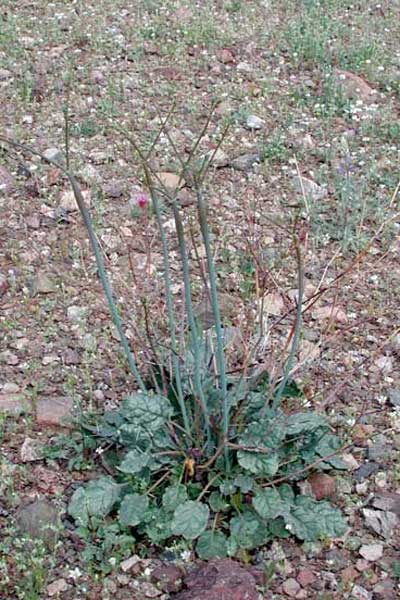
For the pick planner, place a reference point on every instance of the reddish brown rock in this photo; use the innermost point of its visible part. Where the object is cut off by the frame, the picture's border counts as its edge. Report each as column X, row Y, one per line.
column 386, row 590
column 322, row 485
column 306, row 577
column 225, row 56
column 291, row 588
column 71, row 357
column 362, row 433
column 219, row 579
column 387, row 501
column 349, row 574
column 167, row 577
column 353, row 87
column 54, row 411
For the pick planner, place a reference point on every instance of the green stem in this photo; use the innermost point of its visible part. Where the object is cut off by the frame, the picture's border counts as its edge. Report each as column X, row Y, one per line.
column 297, row 328
column 191, row 319
column 170, row 311
column 220, row 354
column 104, row 280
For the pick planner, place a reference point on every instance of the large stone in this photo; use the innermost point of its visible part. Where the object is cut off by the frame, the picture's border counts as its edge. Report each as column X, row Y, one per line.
column 219, row 579
column 352, row 86
column 322, row 485
column 309, row 188
column 31, row 450
column 219, row 158
column 171, row 181
column 13, row 404
column 306, row 577
column 68, row 202
column 58, row 586
column 43, row 284
column 394, row 397
column 385, row 590
column 39, row 520
column 254, row 122
column 290, row 587
column 133, row 564
column 245, row 162
column 54, row 411
column 371, row 552
column 360, row 593
column 53, row 154
column 168, row 577
column 387, row 501
column 384, row 523
column 5, row 74
column 225, row 56
column 366, row 470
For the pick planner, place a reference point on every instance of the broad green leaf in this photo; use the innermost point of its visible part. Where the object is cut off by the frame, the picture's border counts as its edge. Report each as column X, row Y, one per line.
column 131, row 436
column 134, row 462
column 95, row 500
column 132, row 510
column 326, row 445
column 300, row 423
column 158, row 525
column 264, row 433
column 311, row 520
column 247, row 531
column 278, row 528
column 257, row 463
column 217, row 502
column 190, row 519
column 211, row 544
column 286, row 493
column 244, row 482
column 174, row 496
column 148, row 412
column 266, row 436
column 269, row 504
column 227, row 487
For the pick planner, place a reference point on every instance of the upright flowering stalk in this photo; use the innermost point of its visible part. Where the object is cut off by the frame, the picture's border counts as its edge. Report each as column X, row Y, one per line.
column 220, row 354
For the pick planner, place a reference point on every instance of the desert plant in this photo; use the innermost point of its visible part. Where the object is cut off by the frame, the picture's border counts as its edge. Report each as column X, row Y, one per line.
column 198, row 452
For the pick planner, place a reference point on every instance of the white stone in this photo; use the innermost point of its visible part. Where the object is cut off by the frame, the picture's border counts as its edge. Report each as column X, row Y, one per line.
column 59, row 585
column 53, row 154
column 68, row 202
column 129, row 563
column 76, row 313
column 254, row 122
column 371, row 552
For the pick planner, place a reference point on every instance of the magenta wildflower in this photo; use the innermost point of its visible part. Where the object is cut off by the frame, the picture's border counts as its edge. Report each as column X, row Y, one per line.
column 141, row 200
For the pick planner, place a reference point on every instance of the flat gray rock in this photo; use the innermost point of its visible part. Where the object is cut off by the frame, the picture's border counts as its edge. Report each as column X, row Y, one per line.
column 245, row 162
column 39, row 520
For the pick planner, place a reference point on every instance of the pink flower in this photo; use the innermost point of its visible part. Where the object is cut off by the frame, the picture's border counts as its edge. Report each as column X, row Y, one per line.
column 140, row 200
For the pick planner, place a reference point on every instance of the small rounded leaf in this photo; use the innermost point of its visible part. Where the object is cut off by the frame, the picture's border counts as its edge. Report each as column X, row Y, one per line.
column 268, row 503
column 95, row 500
column 190, row 519
column 174, row 496
column 211, row 544
column 132, row 510
column 134, row 462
